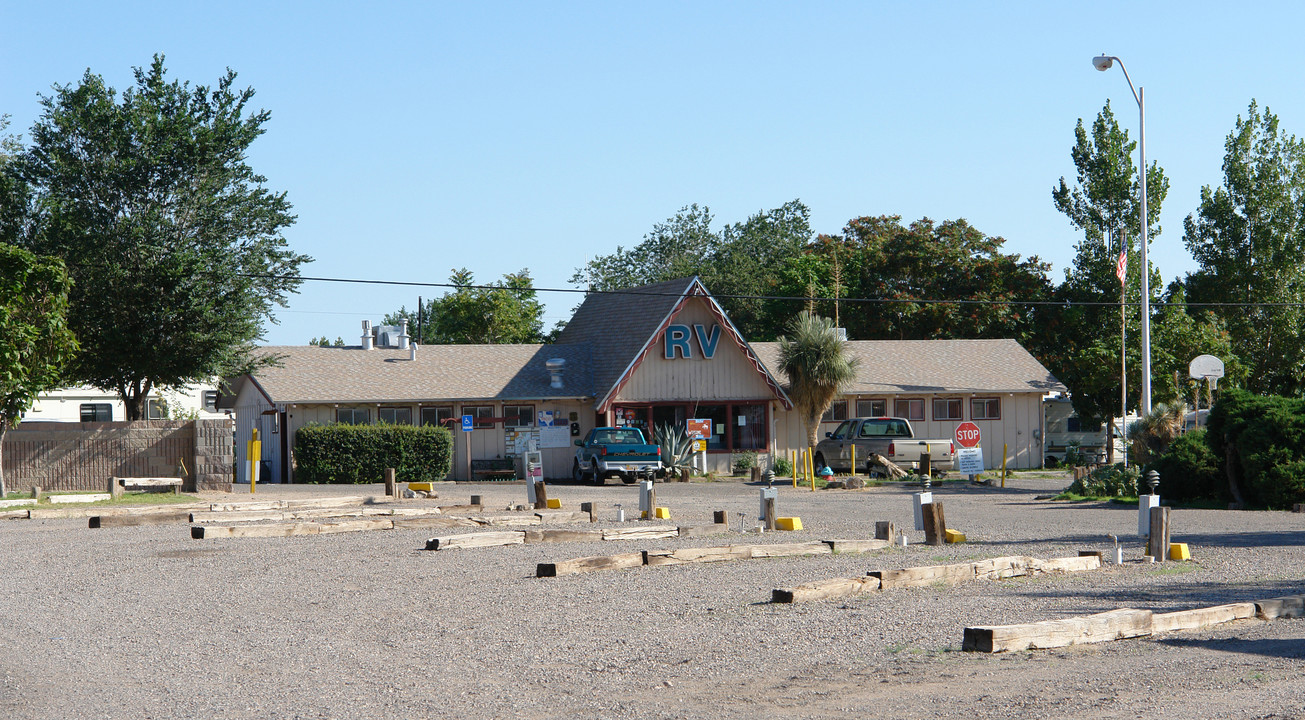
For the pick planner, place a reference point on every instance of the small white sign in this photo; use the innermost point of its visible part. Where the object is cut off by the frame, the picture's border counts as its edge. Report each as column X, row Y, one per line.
column 743, row 420
column 970, row 460
column 554, row 437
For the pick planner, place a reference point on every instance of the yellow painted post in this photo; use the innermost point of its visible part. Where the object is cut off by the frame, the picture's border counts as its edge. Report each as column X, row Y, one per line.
column 811, row 467
column 792, row 463
column 253, row 454
column 1003, row 464
column 853, row 471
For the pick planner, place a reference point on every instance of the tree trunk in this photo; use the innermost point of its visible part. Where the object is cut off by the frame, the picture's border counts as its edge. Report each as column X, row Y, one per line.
column 4, row 428
column 1110, row 440
column 1230, row 463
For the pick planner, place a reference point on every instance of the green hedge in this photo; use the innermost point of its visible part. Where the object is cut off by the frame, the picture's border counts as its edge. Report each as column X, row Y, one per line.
column 360, row 453
column 1189, row 470
column 1263, row 438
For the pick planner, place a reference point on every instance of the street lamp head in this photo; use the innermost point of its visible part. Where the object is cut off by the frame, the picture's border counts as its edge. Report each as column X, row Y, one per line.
column 1103, row 62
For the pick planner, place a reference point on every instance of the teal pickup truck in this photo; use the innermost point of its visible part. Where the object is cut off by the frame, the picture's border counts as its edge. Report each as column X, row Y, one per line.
column 615, row 451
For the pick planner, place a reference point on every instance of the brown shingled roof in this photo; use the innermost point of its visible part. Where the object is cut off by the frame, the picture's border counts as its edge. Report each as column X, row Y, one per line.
column 311, row 374
column 617, row 325
column 937, row 366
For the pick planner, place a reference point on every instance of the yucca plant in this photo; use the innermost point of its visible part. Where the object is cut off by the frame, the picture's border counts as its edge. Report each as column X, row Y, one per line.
column 1152, row 434
column 677, row 447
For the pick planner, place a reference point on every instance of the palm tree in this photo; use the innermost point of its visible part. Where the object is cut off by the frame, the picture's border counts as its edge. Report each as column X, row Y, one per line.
column 817, row 366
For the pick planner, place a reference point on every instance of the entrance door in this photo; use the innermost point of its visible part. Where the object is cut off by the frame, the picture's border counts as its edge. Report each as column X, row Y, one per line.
column 672, row 415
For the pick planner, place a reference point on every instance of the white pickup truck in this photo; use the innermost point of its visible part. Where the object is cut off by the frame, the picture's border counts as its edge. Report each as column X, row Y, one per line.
column 892, row 438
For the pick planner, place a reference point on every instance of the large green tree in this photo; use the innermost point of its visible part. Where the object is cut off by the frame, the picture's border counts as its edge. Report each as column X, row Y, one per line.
column 814, row 359
column 174, row 242
column 35, row 342
column 896, row 266
column 1104, row 205
column 1248, row 239
column 506, row 311
column 740, row 264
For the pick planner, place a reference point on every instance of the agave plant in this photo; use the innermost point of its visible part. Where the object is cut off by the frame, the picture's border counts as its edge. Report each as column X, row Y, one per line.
column 1154, row 432
column 677, row 447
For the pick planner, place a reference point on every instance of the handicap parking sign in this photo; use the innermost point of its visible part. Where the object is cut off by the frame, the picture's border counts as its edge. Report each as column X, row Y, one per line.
column 466, row 423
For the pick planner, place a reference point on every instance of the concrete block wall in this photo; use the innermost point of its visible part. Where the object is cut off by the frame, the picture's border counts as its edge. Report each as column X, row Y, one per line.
column 83, row 456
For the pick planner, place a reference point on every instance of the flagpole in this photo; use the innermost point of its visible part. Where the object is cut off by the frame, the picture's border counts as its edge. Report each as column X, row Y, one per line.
column 1121, row 269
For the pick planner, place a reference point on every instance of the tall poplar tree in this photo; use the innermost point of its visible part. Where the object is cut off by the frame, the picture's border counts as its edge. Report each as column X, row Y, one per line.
column 1248, row 239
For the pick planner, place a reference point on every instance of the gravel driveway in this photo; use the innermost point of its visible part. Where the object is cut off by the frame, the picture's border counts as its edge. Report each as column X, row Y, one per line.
column 143, row 622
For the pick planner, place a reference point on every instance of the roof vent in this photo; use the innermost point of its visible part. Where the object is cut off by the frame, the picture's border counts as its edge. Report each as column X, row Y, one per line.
column 367, row 339
column 403, row 335
column 412, row 351
column 555, row 366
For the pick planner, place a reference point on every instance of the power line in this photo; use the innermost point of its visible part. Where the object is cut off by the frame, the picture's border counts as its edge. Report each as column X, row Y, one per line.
column 792, row 298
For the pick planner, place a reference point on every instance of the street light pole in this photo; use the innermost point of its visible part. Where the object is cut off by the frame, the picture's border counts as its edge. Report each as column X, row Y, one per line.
column 1104, row 63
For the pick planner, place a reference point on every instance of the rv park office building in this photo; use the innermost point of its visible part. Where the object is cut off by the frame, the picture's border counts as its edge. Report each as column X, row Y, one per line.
column 661, row 353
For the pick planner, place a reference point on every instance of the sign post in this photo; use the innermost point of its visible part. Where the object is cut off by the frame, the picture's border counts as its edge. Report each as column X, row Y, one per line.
column 969, row 458
column 699, row 430
column 468, row 423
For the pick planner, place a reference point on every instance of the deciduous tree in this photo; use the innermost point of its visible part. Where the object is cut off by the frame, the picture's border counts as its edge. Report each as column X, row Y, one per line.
column 506, row 311
column 173, row 241
column 1248, row 239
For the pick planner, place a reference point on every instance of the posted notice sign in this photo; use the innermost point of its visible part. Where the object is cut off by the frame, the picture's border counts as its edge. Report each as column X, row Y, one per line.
column 969, row 460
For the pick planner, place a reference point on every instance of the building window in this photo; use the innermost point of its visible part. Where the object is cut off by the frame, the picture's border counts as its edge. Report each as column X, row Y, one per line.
column 353, row 416
column 441, row 416
column 156, row 409
column 749, row 427
column 518, row 416
column 97, row 412
column 871, row 408
column 394, row 415
column 483, row 414
column 836, row 412
column 985, row 409
column 947, row 409
column 210, row 400
column 911, row 409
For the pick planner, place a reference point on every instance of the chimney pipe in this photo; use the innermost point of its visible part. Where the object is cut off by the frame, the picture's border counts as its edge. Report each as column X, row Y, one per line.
column 367, row 339
column 555, row 366
column 403, row 335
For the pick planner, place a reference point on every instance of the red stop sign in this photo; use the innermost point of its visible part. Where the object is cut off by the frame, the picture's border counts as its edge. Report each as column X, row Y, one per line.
column 967, row 434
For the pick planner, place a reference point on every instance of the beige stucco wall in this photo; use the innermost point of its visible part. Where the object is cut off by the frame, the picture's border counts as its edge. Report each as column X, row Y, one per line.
column 1020, row 426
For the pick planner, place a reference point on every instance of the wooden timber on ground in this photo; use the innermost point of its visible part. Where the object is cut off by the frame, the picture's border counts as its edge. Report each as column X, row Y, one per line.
column 79, row 498
column 1291, row 606
column 924, row 576
column 589, row 564
column 822, row 589
column 682, row 556
column 1201, row 617
column 85, row 512
column 849, row 547
column 106, row 521
column 21, row 502
column 551, row 535
column 815, row 547
column 655, row 532
column 474, row 540
column 562, row 516
column 209, row 532
column 703, row 530
column 414, row 523
column 1082, row 630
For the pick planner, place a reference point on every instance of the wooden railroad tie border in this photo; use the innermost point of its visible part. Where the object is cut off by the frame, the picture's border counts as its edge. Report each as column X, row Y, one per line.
column 954, row 574
column 1122, row 624
column 682, row 556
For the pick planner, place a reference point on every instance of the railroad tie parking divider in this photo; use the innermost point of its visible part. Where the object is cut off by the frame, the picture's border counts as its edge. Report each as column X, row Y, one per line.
column 682, row 556
column 1122, row 624
column 397, row 519
column 954, row 574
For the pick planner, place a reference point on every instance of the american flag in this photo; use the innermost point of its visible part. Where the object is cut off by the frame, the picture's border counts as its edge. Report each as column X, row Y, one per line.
column 1121, row 266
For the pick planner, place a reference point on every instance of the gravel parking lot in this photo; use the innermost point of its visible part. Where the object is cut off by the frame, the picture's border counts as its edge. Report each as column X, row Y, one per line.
column 144, row 622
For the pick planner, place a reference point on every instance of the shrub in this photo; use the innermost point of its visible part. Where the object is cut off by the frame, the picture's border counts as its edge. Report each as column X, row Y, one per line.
column 1074, row 455
column 1189, row 470
column 1263, row 438
column 782, row 467
column 745, row 461
column 1107, row 481
column 361, row 453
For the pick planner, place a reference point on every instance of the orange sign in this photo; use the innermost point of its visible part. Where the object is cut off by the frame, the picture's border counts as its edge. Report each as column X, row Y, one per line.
column 699, row 429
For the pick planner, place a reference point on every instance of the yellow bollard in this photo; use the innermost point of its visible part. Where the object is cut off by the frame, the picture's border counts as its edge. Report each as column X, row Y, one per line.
column 811, row 467
column 793, row 469
column 853, row 470
column 253, row 455
column 1003, row 464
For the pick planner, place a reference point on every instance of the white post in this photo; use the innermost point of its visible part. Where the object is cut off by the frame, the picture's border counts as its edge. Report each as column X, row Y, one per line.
column 645, row 499
column 1144, row 505
column 1146, row 266
column 921, row 499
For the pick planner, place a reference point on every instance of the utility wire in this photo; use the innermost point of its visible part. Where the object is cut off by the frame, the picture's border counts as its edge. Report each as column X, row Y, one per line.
column 794, row 298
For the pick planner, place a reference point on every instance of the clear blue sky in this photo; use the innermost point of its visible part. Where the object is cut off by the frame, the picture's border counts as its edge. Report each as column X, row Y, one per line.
column 414, row 138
